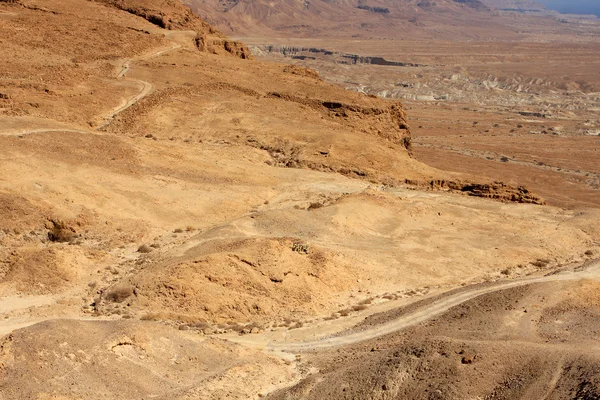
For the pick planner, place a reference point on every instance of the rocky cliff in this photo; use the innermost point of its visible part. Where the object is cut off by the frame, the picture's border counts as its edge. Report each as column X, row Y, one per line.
column 173, row 15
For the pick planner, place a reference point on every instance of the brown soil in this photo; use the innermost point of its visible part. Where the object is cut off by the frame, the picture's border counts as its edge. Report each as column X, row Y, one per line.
column 519, row 343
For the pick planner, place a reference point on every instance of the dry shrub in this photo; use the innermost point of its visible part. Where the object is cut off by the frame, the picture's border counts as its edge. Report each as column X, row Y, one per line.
column 59, row 231
column 119, row 294
column 540, row 262
column 589, row 253
column 150, row 317
column 314, row 206
column 200, row 325
column 286, row 323
column 144, row 249
column 359, row 307
column 253, row 325
column 236, row 327
column 300, row 248
column 297, row 325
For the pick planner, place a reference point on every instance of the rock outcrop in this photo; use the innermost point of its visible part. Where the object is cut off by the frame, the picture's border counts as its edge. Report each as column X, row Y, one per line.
column 173, row 15
column 388, row 123
column 219, row 45
column 496, row 190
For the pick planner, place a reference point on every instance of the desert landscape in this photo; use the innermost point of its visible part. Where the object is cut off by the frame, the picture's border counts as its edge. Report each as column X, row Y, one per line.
column 290, row 200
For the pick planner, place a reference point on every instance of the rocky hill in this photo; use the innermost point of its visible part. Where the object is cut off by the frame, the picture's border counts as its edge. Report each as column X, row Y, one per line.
column 440, row 19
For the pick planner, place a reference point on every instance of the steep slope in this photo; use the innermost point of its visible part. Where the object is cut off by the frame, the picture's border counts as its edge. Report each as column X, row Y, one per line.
column 441, row 19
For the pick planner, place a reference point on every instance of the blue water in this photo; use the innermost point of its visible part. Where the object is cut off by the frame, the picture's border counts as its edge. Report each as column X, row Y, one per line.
column 574, row 6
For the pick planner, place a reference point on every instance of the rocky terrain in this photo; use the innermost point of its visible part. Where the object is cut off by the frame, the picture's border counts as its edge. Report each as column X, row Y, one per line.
column 177, row 218
column 523, row 112
column 446, row 20
column 521, row 343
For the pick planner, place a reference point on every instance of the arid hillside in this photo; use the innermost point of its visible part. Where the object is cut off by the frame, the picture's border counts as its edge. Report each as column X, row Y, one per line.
column 516, row 5
column 170, row 207
column 453, row 20
column 532, row 342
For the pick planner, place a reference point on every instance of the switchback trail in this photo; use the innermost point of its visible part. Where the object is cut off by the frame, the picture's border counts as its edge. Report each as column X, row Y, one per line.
column 146, row 87
column 430, row 311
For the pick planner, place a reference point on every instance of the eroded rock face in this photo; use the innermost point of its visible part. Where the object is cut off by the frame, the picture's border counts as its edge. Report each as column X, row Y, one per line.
column 388, row 123
column 496, row 190
column 474, row 4
column 173, row 15
column 301, row 71
column 219, row 45
column 169, row 14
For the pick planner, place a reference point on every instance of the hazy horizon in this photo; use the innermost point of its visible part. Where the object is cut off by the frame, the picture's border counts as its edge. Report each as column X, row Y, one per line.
column 574, row 6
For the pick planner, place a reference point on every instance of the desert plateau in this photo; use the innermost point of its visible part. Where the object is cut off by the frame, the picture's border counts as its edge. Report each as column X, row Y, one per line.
column 317, row 199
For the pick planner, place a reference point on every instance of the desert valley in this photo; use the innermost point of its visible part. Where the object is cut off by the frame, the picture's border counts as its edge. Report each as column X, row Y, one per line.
column 299, row 200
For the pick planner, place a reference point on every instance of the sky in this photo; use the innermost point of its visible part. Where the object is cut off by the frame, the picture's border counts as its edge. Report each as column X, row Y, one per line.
column 574, row 6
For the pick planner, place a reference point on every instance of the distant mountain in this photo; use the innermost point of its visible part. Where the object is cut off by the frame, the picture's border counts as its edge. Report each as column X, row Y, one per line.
column 574, row 7
column 455, row 19
column 516, row 5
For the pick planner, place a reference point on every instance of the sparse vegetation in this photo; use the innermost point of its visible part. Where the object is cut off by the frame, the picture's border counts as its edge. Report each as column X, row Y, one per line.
column 144, row 249
column 314, row 206
column 300, row 248
column 297, row 325
column 119, row 294
column 540, row 262
column 345, row 312
column 59, row 231
column 506, row 271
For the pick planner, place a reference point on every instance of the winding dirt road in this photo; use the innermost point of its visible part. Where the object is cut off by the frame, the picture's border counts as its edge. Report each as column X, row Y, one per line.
column 430, row 311
column 20, row 303
column 146, row 87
